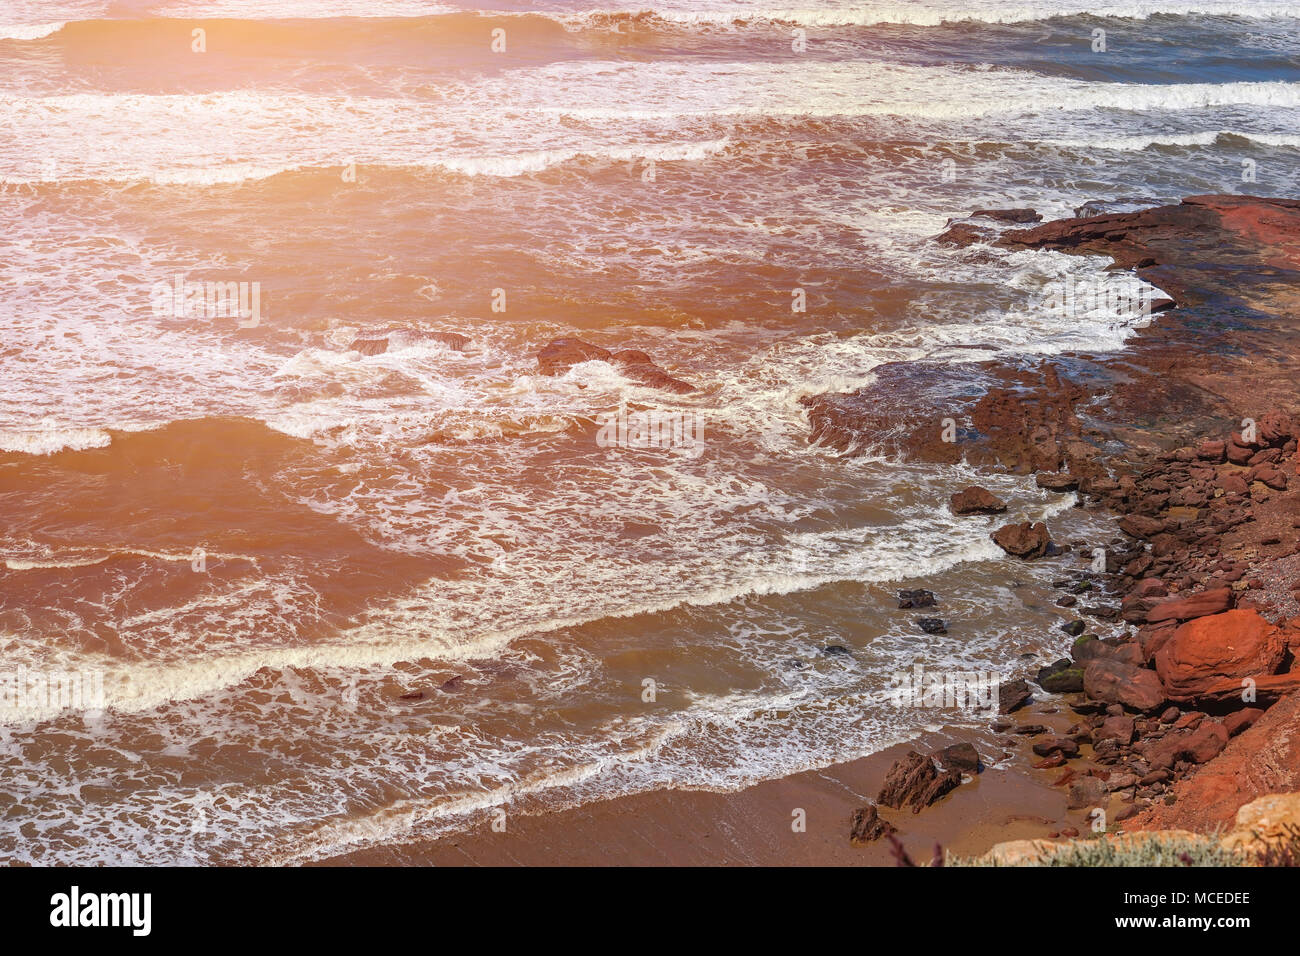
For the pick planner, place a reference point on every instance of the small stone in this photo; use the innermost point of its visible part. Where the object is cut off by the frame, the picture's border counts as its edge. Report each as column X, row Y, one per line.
column 915, row 599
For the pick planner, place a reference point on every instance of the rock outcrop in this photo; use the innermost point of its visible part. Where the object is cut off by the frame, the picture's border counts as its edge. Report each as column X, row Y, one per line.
column 560, row 355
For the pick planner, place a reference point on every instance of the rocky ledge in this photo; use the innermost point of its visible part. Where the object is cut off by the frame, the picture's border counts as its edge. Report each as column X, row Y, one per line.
column 1189, row 437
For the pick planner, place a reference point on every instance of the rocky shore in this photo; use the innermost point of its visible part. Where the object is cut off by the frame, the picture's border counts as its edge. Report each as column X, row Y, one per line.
column 1189, row 438
column 1173, row 722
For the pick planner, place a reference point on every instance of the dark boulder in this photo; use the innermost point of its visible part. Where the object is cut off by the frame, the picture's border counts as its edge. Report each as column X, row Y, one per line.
column 963, row 757
column 914, row 781
column 916, row 599
column 866, row 825
column 1012, row 695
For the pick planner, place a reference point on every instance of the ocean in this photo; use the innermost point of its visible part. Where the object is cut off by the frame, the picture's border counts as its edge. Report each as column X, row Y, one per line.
column 266, row 598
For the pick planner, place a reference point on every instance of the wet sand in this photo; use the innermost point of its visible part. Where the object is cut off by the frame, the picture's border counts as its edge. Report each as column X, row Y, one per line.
column 753, row 827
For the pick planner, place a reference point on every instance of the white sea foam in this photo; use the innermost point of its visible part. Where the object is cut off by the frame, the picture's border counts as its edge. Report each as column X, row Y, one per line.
column 30, row 31
column 50, row 438
column 1209, row 138
column 99, row 556
column 299, row 9
column 513, row 117
column 927, row 13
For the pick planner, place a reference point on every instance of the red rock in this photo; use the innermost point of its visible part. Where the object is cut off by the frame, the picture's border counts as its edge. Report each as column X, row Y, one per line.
column 1119, row 729
column 370, row 346
column 913, row 779
column 1198, row 746
column 865, row 825
column 1130, row 652
column 1214, row 451
column 1086, row 792
column 1152, row 587
column 1213, row 601
column 1114, row 682
column 1057, row 481
column 1206, row 741
column 1275, row 427
column 1064, row 778
column 1205, row 652
column 637, row 366
column 1240, row 720
column 963, row 234
column 1134, row 608
column 1139, row 565
column 1239, row 439
column 1141, row 526
column 562, row 354
column 977, row 501
column 1271, row 477
column 1264, row 759
column 1054, row 745
column 1024, row 540
column 378, row 342
column 1020, row 215
column 1239, row 453
column 1233, row 485
column 1233, row 690
column 1266, row 456
column 1151, row 639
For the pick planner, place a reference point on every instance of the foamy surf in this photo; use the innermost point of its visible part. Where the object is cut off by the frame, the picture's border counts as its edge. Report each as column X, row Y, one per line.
column 295, row 131
column 50, row 438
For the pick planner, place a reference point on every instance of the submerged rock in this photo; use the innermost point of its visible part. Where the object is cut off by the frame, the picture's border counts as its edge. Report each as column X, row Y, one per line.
column 560, row 355
column 378, row 343
column 916, row 599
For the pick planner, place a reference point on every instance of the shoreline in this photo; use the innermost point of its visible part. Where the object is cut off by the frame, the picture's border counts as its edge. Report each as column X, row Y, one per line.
column 1219, row 352
column 1140, row 434
column 750, row 827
